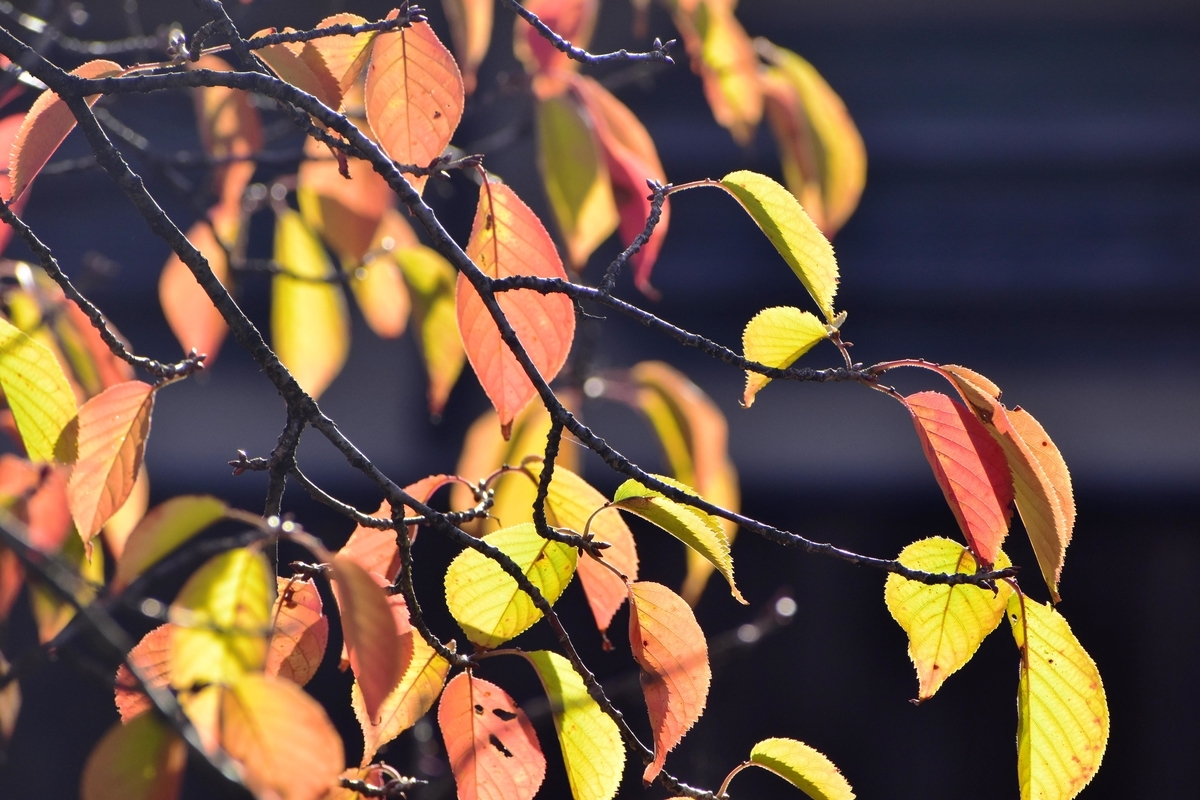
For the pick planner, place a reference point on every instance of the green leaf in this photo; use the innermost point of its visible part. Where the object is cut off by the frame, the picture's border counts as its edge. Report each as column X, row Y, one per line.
column 798, row 240
column 485, row 600
column 141, row 760
column 803, row 767
column 591, row 743
column 223, row 614
column 38, row 394
column 697, row 529
column 776, row 337
column 431, row 279
column 945, row 624
column 161, row 531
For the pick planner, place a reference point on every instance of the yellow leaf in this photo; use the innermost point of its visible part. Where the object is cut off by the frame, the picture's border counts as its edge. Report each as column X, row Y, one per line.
column 1062, row 713
column 50, row 610
column 141, row 760
column 803, row 767
column 38, row 394
column 697, row 529
column 309, row 325
column 945, row 624
column 162, row 530
column 723, row 56
column 591, row 743
column 431, row 280
column 776, row 337
column 798, row 240
column 223, row 614
column 575, row 176
column 485, row 600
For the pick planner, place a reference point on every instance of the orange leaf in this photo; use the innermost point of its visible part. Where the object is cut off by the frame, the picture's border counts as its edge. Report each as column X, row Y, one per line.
column 370, row 631
column 404, row 630
column 346, row 213
column 229, row 127
column 1050, row 460
column 37, row 495
column 574, row 20
column 374, row 549
column 113, row 427
column 299, row 634
column 969, row 466
column 12, row 577
column 724, row 58
column 303, row 66
column 152, row 655
column 492, row 747
column 192, row 316
column 44, row 128
column 670, row 647
column 471, row 29
column 344, row 55
column 422, row 490
column 414, row 96
column 122, row 523
column 508, row 239
column 9, row 127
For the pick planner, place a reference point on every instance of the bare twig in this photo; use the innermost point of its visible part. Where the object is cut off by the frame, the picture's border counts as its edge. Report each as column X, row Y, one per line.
column 660, row 51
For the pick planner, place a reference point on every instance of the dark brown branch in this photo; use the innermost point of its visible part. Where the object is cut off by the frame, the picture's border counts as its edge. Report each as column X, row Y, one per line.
column 614, row 269
column 660, row 50
column 408, row 16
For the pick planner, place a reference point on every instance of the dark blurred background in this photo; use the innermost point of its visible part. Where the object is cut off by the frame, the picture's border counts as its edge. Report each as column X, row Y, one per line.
column 1032, row 210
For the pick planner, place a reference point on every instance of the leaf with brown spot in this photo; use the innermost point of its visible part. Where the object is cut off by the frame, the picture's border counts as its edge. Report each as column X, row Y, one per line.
column 299, row 633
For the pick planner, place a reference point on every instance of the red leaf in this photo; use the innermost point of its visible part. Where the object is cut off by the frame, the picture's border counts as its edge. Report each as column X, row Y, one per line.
column 493, row 749
column 508, row 239
column 404, row 631
column 190, row 312
column 152, row 655
column 299, row 634
column 574, row 20
column 370, row 631
column 346, row 213
column 9, row 126
column 969, row 466
column 670, row 647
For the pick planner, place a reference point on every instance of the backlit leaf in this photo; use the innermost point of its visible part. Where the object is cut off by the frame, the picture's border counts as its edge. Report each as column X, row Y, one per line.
column 89, row 359
column 798, row 240
column 414, row 96
column 152, row 656
column 121, row 524
column 803, row 767
column 302, row 65
column 1049, row 459
column 698, row 529
column 404, row 630
column 45, row 126
column 485, row 600
column 1062, row 713
column 192, row 316
column 382, row 297
column 345, row 212
column 408, row 702
column 969, row 466
column 37, row 392
column 299, row 633
column 345, row 56
column 945, row 624
column 591, row 743
column 508, row 239
column 492, row 747
column 142, row 760
column 776, row 337
column 724, row 58
column 471, row 30
column 222, row 617
column 230, row 130
column 163, row 530
column 374, row 549
column 378, row 655
column 574, row 20
column 673, row 654
column 36, row 495
column 310, row 329
column 10, row 126
column 431, row 282
column 285, row 742
column 50, row 610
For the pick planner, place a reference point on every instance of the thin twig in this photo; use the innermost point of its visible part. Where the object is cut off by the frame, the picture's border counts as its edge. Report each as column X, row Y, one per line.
column 660, row 50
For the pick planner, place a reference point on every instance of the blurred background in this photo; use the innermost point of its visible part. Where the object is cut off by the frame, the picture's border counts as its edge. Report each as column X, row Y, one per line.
column 1032, row 210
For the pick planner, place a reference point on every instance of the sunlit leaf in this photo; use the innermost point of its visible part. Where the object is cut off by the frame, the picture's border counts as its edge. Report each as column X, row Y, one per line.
column 471, row 30
column 10, row 126
column 796, row 141
column 574, row 20
column 113, row 427
column 310, row 328
column 382, row 295
column 12, row 578
column 407, row 703
column 10, row 703
column 431, row 282
column 670, row 647
column 493, row 750
column 302, row 65
column 345, row 55
column 50, row 610
column 142, row 760
column 121, row 524
column 798, row 240
column 37, row 392
column 507, row 239
column 299, row 633
column 404, row 630
column 285, row 742
column 374, row 549
column 36, row 494
column 724, row 58
column 803, row 767
column 776, row 337
column 1062, row 712
column 347, row 213
column 1049, row 459
column 162, row 530
column 192, row 316
column 152, row 656
column 203, row 708
column 945, row 624
column 592, row 751
column 230, row 131
column 222, row 617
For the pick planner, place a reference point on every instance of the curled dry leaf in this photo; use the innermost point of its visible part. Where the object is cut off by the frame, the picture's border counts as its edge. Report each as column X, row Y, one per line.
column 299, row 633
column 375, row 647
column 152, row 656
column 776, row 337
column 39, row 396
column 141, row 760
column 162, row 530
column 408, row 702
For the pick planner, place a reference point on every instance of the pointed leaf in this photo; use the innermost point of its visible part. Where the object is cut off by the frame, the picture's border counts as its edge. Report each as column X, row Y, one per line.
column 408, row 702
column 414, row 96
column 698, row 529
column 222, row 617
column 493, row 750
column 375, row 646
column 945, row 624
column 798, row 240
column 431, row 280
column 113, row 427
column 345, row 56
column 152, row 655
column 37, row 392
column 724, row 58
column 485, row 600
column 347, row 213
column 285, row 742
column 1049, row 459
column 803, row 767
column 309, row 325
column 670, row 647
column 471, row 30
column 591, row 742
column 299, row 633
column 404, row 630
column 1062, row 713
column 142, row 760
column 163, row 530
column 121, row 524
column 776, row 337
column 302, row 65
column 192, row 316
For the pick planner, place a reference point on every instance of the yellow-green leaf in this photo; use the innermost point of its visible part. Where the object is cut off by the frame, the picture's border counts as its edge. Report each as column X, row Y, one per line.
column 1062, row 713
column 591, row 743
column 310, row 328
column 776, row 337
column 162, row 530
column 38, row 394
column 431, row 280
column 141, row 760
column 485, row 600
column 798, row 240
column 223, row 614
column 945, row 624
column 50, row 610
column 805, row 768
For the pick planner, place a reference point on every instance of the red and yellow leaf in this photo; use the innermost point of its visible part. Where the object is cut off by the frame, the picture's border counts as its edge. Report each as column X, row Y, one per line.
column 374, row 549
column 193, row 318
column 409, row 701
column 143, row 760
column 299, row 633
column 375, row 648
column 404, row 630
column 471, row 31
column 9, row 127
column 723, row 56
column 152, row 657
column 574, row 20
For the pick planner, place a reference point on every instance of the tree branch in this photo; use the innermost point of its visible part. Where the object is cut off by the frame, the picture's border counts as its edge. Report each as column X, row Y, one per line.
column 660, row 50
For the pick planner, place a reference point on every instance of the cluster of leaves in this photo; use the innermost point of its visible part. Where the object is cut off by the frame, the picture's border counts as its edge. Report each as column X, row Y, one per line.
column 223, row 673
